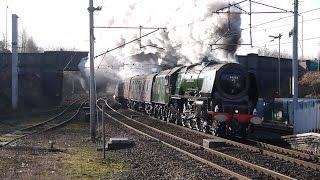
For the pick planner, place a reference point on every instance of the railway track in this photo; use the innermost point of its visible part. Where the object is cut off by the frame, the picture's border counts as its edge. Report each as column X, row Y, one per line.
column 57, row 120
column 226, row 163
column 300, row 158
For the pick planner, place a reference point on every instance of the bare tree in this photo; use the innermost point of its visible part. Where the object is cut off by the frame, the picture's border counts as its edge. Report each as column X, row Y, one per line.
column 59, row 48
column 272, row 53
column 31, row 45
column 3, row 46
column 27, row 44
column 23, row 41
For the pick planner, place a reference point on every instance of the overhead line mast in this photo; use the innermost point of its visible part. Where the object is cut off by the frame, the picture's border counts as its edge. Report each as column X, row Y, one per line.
column 295, row 61
column 91, row 10
column 93, row 120
column 250, row 13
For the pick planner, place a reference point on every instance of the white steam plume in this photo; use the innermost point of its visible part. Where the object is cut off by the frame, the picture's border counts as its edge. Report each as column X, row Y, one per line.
column 191, row 26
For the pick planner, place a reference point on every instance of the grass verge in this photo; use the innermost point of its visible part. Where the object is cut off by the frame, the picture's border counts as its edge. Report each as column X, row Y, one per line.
column 86, row 163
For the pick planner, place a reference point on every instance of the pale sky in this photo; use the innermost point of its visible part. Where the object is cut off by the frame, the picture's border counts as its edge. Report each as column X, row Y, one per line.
column 64, row 23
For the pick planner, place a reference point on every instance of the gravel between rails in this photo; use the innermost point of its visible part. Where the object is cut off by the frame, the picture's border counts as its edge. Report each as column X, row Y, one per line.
column 150, row 159
column 199, row 152
column 277, row 165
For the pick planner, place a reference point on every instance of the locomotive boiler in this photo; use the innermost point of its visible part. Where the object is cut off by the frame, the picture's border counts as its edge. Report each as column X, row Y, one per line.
column 214, row 97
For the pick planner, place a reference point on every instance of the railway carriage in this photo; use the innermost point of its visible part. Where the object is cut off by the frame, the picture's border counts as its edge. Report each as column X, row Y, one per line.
column 119, row 92
column 126, row 88
column 140, row 91
column 212, row 97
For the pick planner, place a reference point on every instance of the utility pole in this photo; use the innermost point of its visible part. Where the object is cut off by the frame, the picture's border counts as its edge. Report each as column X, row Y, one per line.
column 14, row 63
column 6, row 46
column 279, row 62
column 295, row 61
column 93, row 120
column 302, row 40
column 279, row 67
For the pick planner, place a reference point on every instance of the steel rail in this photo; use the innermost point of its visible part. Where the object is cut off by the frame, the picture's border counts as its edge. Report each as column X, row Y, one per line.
column 50, row 119
column 16, row 136
column 215, row 166
column 258, row 149
column 214, row 152
column 284, row 150
column 55, row 108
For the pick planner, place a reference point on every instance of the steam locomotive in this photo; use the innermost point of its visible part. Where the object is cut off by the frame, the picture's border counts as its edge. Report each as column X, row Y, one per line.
column 215, row 97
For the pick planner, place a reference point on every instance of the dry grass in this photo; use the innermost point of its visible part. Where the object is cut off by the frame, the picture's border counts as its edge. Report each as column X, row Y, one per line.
column 84, row 163
column 309, row 85
column 7, row 164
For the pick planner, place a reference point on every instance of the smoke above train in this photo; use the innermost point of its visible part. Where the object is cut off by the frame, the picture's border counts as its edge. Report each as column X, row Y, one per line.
column 191, row 26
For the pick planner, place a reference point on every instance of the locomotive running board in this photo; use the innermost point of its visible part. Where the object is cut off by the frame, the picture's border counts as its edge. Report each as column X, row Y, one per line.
column 194, row 98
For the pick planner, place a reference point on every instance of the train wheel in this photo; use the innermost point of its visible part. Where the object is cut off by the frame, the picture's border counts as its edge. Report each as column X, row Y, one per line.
column 194, row 124
column 243, row 131
column 234, row 128
column 202, row 125
column 179, row 121
column 167, row 115
column 170, row 116
column 218, row 129
column 183, row 123
column 163, row 114
column 160, row 113
column 157, row 112
column 176, row 120
column 222, row 129
column 187, row 123
column 214, row 128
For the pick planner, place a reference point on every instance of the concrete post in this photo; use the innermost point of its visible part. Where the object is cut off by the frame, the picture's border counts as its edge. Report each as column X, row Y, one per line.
column 103, row 132
column 14, row 65
column 93, row 120
column 295, row 61
column 279, row 67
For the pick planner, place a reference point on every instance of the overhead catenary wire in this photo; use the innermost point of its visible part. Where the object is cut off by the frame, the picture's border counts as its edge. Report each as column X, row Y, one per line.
column 281, row 18
column 203, row 39
column 128, row 27
column 71, row 59
column 249, row 13
column 122, row 45
column 255, row 26
column 285, row 25
column 242, row 11
column 288, row 42
column 273, row 27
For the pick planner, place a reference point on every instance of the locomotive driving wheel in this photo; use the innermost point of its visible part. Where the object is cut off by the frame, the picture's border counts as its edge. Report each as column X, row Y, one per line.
column 202, row 125
column 218, row 129
column 214, row 128
column 170, row 116
column 243, row 131
column 178, row 120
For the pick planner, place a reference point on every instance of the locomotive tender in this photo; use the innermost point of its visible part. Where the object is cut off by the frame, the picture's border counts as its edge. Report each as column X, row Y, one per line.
column 214, row 97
